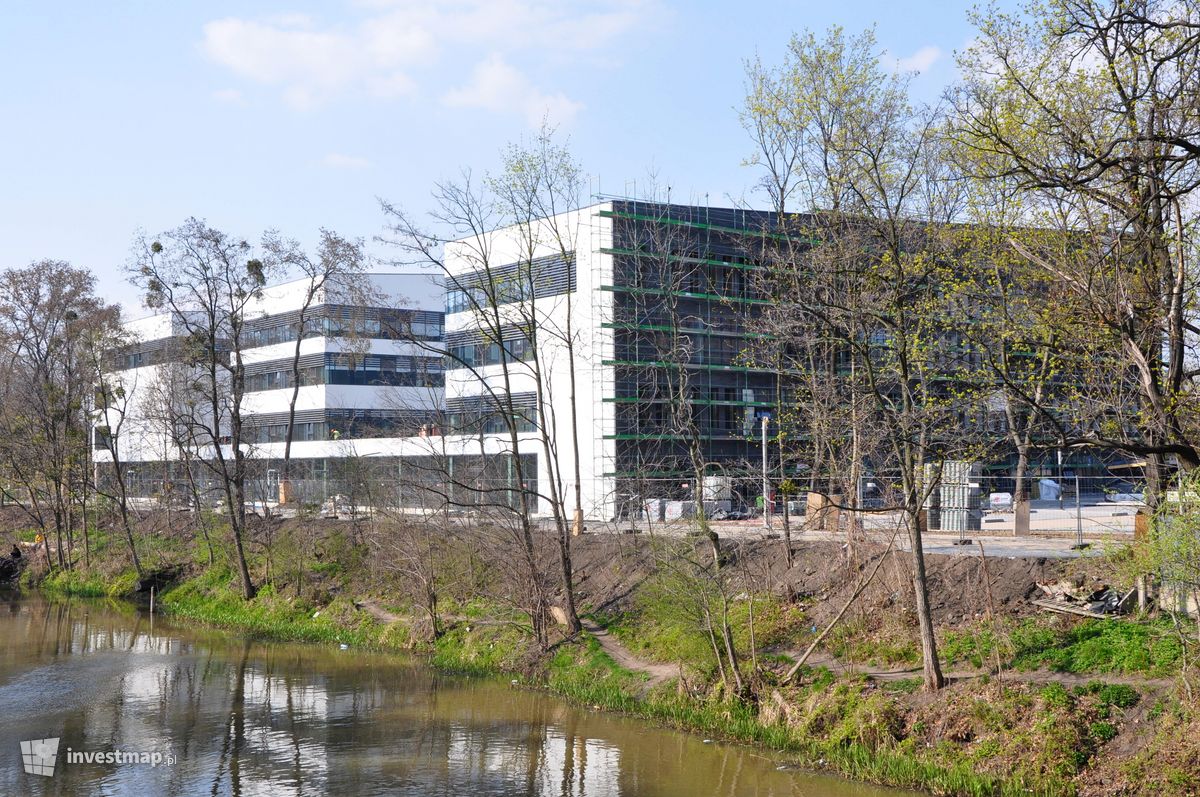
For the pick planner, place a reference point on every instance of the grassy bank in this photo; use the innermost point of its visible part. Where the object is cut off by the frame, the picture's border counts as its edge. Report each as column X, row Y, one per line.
column 583, row 673
column 578, row 670
column 981, row 736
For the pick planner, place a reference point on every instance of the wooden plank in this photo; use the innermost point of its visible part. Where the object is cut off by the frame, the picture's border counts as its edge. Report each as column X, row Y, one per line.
column 1068, row 608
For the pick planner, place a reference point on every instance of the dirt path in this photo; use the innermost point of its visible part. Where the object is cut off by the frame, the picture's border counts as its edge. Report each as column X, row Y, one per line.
column 373, row 608
column 655, row 673
column 821, row 659
column 378, row 612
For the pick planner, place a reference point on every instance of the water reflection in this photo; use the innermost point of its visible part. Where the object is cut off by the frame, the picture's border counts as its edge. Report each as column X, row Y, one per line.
column 246, row 718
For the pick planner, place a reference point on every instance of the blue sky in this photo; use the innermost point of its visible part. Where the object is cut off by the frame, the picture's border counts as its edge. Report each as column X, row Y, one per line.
column 296, row 115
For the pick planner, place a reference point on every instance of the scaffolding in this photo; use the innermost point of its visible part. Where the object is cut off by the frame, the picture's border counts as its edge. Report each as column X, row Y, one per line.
column 678, row 391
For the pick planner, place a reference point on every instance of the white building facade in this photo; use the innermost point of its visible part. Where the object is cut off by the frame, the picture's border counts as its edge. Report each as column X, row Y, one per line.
column 615, row 335
column 371, row 388
column 580, row 365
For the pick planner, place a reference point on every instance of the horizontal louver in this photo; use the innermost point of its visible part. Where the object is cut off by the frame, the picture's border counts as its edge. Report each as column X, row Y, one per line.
column 543, row 276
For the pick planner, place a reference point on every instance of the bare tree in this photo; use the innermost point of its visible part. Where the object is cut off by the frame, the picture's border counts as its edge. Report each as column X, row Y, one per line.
column 173, row 410
column 209, row 283
column 48, row 314
column 875, row 284
column 462, row 252
column 334, row 267
column 537, row 187
column 113, row 398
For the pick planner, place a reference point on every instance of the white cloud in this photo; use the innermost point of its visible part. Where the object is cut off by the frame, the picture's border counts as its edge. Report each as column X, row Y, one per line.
column 921, row 60
column 309, row 65
column 392, row 46
column 336, row 160
column 497, row 86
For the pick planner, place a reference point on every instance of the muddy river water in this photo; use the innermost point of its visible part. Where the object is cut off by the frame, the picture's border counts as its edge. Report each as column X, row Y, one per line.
column 97, row 700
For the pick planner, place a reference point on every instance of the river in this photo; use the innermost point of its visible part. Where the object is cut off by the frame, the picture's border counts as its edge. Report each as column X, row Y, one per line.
column 146, row 709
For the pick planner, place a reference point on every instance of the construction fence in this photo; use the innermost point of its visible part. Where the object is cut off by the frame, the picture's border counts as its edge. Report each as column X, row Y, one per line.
column 956, row 498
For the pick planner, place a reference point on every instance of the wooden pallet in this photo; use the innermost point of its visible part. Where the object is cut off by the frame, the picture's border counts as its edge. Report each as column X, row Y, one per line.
column 1066, row 607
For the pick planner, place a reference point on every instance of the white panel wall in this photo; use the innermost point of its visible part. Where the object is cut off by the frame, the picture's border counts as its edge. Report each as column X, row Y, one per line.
column 588, row 307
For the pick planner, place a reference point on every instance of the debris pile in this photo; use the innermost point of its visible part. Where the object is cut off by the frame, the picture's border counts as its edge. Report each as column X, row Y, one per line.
column 12, row 565
column 1075, row 596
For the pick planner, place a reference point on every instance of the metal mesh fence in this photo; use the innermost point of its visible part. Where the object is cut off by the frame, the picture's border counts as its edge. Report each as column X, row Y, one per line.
column 954, row 500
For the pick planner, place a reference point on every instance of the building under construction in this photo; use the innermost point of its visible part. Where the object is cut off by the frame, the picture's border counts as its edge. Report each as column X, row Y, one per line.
column 646, row 314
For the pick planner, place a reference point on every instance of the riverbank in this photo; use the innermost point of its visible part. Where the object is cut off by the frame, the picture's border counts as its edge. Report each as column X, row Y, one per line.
column 577, row 669
column 1106, row 720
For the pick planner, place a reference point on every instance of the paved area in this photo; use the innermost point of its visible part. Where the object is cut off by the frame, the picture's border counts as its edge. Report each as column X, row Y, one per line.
column 1047, row 546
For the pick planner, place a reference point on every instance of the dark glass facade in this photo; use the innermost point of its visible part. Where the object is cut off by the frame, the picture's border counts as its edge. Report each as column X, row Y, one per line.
column 687, row 385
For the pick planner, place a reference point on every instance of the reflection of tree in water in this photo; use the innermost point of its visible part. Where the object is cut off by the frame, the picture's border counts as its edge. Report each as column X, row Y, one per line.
column 248, row 718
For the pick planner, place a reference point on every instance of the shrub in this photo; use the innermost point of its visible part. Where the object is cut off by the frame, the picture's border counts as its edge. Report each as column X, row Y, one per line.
column 1056, row 695
column 1102, row 731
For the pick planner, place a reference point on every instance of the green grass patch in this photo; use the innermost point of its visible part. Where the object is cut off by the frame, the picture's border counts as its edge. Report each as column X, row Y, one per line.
column 976, row 647
column 1118, row 695
column 668, row 623
column 585, row 673
column 81, row 584
column 1102, row 731
column 483, row 649
column 1099, row 646
column 906, row 686
column 213, row 599
column 853, row 641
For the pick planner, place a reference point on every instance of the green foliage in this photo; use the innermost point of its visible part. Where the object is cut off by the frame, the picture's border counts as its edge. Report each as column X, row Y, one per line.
column 1100, row 646
column 860, row 728
column 213, row 598
column 1173, row 547
column 585, row 673
column 856, row 640
column 976, row 647
column 78, row 583
column 481, row 649
column 1118, row 695
column 1102, row 731
column 905, row 685
column 665, row 627
column 1031, row 638
column 73, row 583
column 1057, row 696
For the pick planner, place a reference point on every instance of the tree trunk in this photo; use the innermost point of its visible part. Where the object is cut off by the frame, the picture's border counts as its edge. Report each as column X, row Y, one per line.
column 83, row 507
column 237, row 525
column 200, row 518
column 1019, row 488
column 123, row 509
column 712, row 638
column 932, row 668
column 58, row 536
column 248, row 589
column 788, row 556
column 730, row 649
column 564, row 555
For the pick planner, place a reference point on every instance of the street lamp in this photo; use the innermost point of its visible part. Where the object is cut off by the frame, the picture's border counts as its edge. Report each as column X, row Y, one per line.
column 1060, row 478
column 766, row 482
